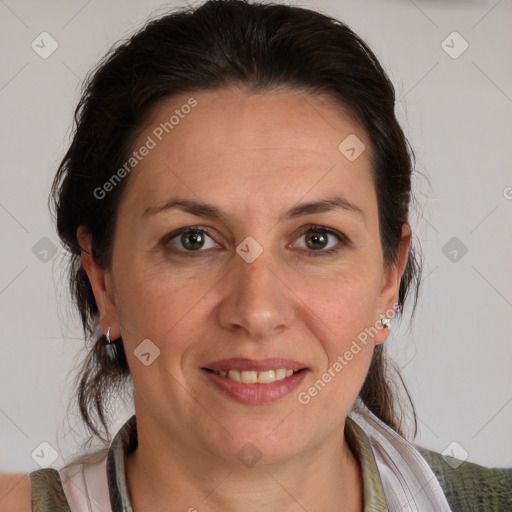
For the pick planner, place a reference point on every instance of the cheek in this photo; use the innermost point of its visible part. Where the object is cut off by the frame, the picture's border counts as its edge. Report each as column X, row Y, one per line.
column 346, row 302
column 150, row 306
column 167, row 312
column 345, row 320
column 345, row 330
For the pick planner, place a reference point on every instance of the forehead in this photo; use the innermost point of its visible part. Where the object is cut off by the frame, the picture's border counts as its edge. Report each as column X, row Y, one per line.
column 268, row 146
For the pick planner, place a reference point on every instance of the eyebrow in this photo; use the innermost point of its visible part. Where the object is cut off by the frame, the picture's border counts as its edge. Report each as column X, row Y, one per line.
column 202, row 209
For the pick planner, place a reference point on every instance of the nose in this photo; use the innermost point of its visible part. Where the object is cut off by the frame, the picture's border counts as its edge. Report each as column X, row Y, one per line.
column 257, row 299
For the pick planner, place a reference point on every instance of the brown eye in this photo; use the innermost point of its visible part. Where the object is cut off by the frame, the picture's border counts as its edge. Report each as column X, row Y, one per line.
column 318, row 239
column 190, row 240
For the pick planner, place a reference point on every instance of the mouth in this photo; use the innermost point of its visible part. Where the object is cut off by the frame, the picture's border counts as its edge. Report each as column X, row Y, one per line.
column 255, row 382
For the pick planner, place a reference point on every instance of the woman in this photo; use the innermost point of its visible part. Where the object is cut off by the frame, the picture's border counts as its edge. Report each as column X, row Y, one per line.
column 235, row 203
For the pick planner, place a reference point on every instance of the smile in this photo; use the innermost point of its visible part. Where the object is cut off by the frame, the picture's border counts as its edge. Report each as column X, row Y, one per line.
column 255, row 381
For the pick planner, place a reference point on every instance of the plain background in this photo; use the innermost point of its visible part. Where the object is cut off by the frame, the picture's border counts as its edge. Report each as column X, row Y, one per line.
column 455, row 358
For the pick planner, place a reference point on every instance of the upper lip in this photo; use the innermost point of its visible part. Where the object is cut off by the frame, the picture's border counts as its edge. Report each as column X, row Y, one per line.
column 242, row 363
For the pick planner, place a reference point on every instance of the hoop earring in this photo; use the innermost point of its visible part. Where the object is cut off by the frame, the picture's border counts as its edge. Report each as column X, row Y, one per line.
column 110, row 346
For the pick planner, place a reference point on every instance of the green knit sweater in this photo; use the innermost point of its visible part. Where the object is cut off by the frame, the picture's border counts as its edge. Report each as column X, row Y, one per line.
column 471, row 487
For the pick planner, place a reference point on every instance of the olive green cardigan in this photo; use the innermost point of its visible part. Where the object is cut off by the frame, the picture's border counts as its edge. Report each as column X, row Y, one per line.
column 471, row 487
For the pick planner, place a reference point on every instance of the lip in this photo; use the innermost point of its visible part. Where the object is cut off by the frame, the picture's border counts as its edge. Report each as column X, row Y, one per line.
column 242, row 363
column 256, row 393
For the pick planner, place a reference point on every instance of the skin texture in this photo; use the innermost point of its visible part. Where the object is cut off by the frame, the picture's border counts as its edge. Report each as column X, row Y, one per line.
column 15, row 492
column 254, row 156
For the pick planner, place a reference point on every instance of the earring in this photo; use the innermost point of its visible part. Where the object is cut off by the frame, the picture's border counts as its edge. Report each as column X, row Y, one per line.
column 110, row 346
column 386, row 322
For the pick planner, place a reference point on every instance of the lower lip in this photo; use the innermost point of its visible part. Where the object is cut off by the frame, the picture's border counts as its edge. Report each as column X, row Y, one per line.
column 256, row 393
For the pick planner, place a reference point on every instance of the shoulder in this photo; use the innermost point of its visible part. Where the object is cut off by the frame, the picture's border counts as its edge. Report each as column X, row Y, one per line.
column 470, row 486
column 15, row 492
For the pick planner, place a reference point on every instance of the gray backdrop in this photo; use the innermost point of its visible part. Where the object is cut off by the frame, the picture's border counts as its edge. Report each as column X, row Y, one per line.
column 450, row 63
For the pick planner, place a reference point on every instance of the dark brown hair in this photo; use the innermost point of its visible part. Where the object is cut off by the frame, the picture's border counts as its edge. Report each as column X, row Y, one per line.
column 221, row 43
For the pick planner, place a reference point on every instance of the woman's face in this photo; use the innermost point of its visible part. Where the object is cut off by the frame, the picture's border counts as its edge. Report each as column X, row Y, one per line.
column 248, row 288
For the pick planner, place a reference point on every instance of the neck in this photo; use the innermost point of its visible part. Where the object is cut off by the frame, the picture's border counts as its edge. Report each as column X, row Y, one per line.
column 162, row 475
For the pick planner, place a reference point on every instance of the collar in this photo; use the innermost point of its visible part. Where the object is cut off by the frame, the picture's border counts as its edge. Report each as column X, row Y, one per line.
column 125, row 441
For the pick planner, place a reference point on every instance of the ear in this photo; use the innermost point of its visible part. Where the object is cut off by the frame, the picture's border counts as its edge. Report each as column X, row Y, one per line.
column 100, row 278
column 391, row 277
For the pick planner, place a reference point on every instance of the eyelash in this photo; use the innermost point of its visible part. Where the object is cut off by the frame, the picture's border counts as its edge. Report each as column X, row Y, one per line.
column 328, row 252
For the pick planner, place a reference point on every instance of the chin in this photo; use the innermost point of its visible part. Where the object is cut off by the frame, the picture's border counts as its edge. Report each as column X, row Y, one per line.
column 264, row 445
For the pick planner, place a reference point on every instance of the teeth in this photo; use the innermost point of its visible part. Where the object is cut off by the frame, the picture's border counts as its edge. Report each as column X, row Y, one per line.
column 267, row 376
column 234, row 375
column 280, row 373
column 252, row 377
column 249, row 377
